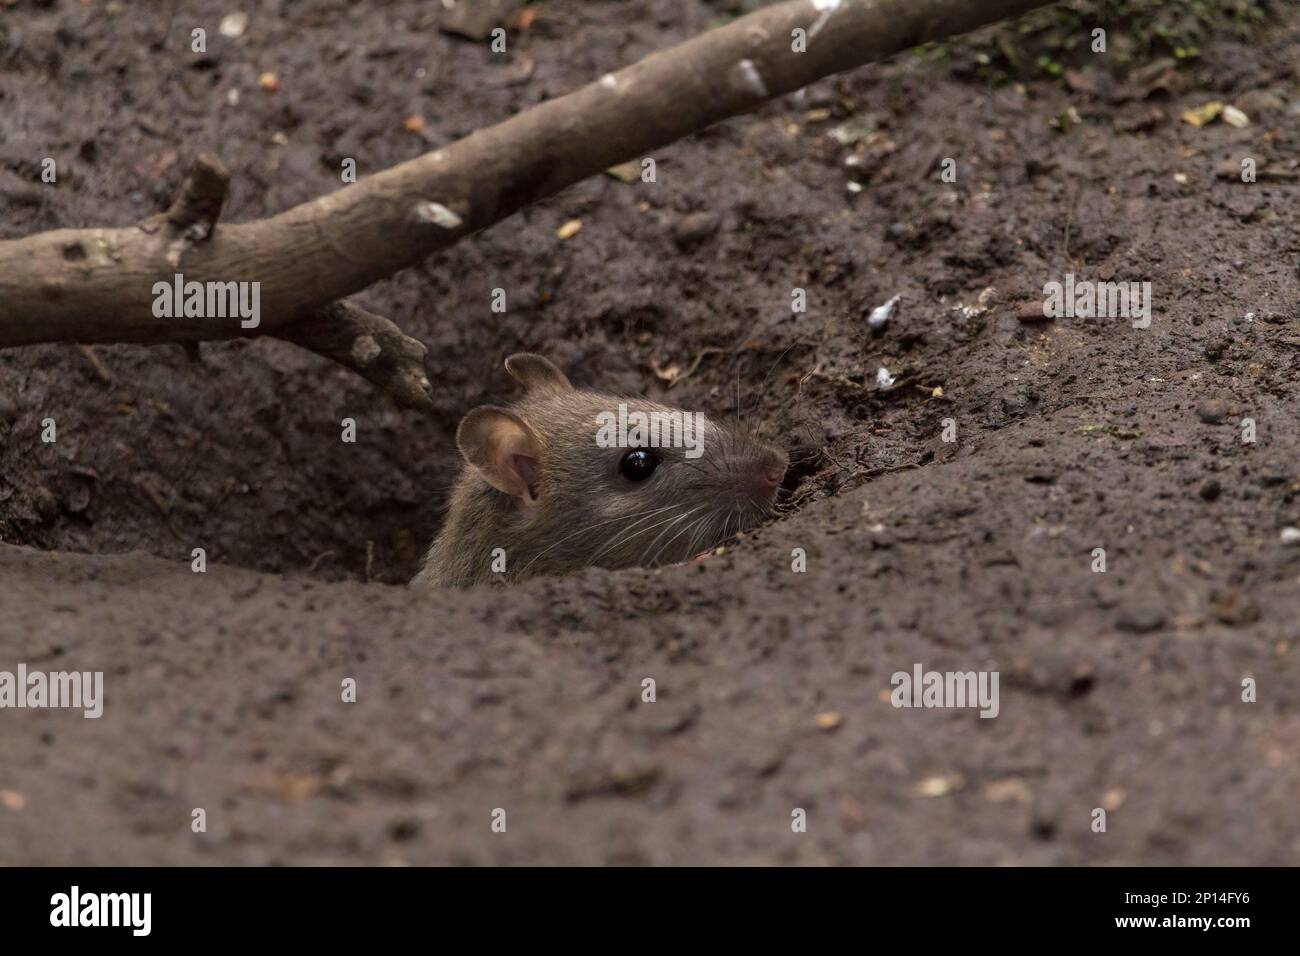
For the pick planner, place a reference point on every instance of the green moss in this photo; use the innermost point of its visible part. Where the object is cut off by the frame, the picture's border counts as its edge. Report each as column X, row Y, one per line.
column 1110, row 431
column 1058, row 38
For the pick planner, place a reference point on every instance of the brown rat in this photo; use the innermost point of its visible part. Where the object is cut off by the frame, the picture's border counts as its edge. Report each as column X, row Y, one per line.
column 551, row 485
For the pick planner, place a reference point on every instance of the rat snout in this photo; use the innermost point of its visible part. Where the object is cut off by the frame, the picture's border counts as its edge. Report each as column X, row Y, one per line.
column 754, row 470
column 766, row 473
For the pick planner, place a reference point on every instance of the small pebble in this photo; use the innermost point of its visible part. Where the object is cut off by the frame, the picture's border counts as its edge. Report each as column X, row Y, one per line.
column 1234, row 607
column 939, row 786
column 881, row 314
column 1141, row 618
column 1212, row 411
column 233, row 25
column 830, row 720
column 692, row 229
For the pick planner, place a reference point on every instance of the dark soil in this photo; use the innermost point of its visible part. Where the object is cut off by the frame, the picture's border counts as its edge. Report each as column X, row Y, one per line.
column 1120, row 690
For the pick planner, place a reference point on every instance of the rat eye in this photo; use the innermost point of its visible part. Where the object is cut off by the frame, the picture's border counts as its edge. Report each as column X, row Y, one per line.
column 638, row 465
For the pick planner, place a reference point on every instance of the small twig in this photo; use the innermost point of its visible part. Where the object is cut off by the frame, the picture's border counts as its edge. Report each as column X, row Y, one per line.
column 699, row 357
column 192, row 216
column 198, row 205
column 368, row 344
column 101, row 370
column 1069, row 220
column 315, row 563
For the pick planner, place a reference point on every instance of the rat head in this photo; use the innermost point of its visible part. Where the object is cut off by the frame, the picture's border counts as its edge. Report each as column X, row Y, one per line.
column 586, row 478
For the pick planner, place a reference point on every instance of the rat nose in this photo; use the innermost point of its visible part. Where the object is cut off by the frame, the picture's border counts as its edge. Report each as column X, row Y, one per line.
column 768, row 472
column 759, row 470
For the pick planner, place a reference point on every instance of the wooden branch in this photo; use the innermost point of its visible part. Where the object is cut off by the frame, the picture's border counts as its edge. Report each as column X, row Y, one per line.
column 370, row 345
column 95, row 285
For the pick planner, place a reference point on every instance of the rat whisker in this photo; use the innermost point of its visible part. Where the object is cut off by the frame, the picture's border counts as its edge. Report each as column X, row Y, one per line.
column 589, row 528
column 702, row 525
column 667, row 521
column 662, row 533
column 694, row 524
column 708, row 535
column 702, row 538
column 733, row 513
column 702, row 486
column 737, row 396
column 646, row 559
column 772, row 368
column 626, row 536
column 726, row 523
column 698, row 465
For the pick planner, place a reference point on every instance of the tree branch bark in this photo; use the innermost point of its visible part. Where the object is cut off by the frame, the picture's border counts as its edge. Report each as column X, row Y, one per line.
column 95, row 285
column 372, row 346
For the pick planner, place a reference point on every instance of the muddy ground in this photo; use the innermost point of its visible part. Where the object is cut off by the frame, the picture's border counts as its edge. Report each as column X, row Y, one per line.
column 1120, row 690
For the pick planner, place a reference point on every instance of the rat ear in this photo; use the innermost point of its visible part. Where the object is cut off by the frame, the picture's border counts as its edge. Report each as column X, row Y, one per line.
column 503, row 449
column 537, row 374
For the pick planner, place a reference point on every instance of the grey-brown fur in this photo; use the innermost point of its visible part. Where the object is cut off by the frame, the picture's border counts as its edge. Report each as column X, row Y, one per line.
column 582, row 511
